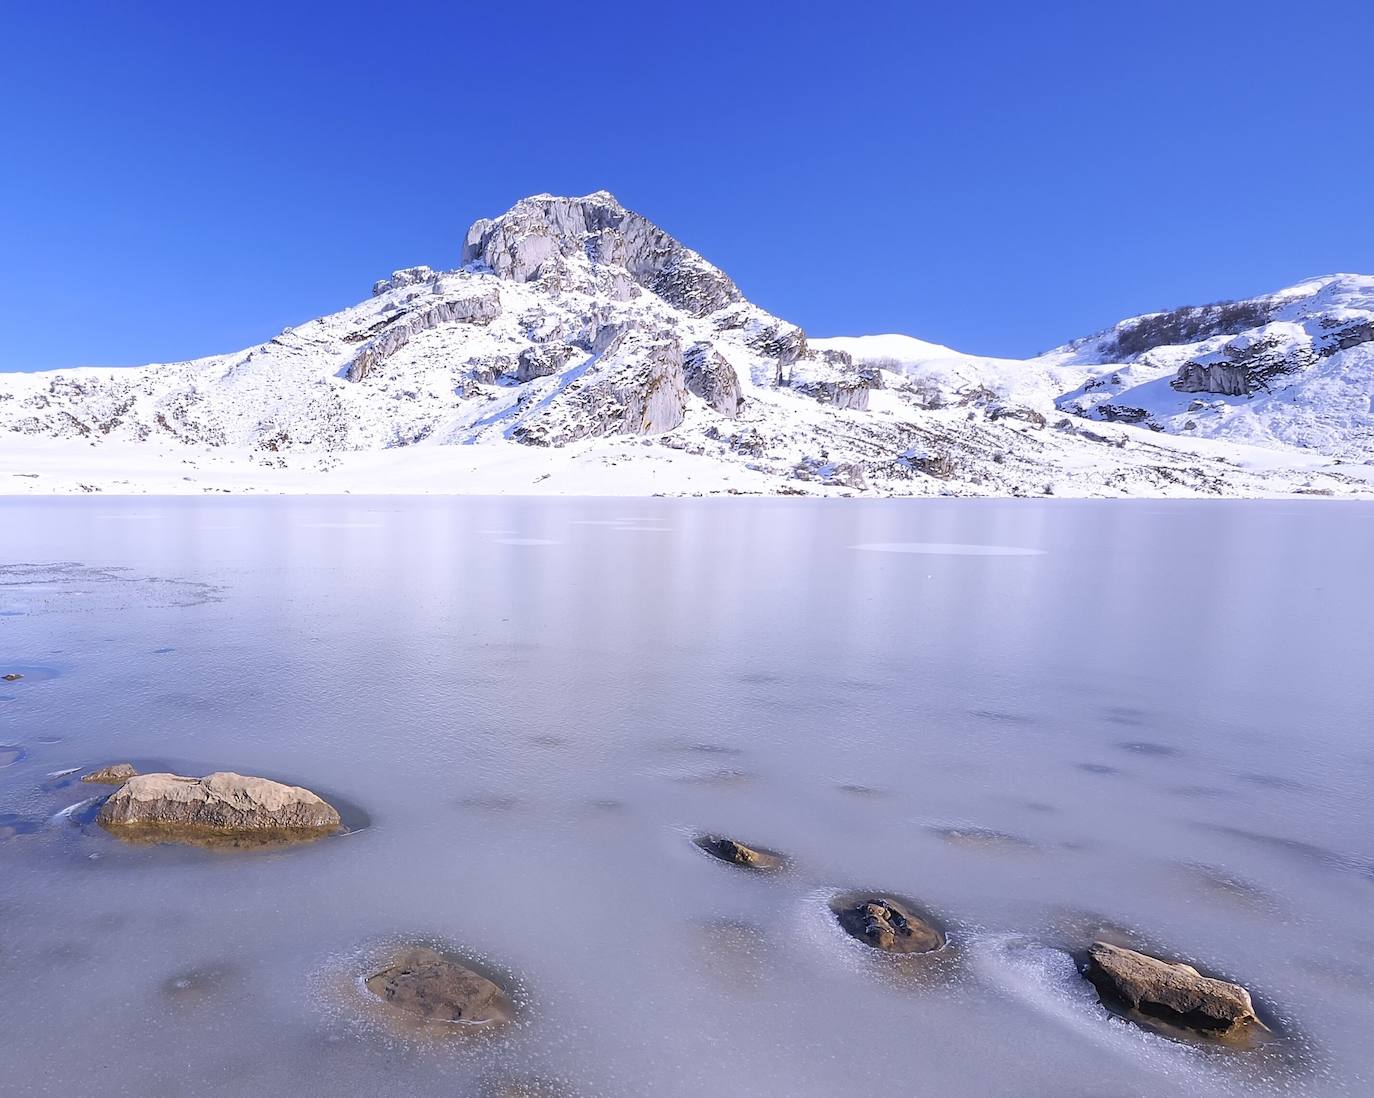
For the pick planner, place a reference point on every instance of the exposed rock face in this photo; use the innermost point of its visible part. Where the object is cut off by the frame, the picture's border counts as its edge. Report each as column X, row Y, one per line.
column 407, row 276
column 173, row 807
column 474, row 309
column 423, row 982
column 888, row 924
column 736, row 853
column 850, row 393
column 1174, row 993
column 520, row 244
column 117, row 774
column 1226, row 378
column 713, row 379
column 636, row 388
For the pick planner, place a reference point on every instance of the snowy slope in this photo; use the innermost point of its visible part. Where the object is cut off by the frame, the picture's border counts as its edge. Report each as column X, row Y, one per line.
column 1292, row 369
column 577, row 347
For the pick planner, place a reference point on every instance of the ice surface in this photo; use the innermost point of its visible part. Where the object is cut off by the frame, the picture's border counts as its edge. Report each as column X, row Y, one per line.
column 1158, row 722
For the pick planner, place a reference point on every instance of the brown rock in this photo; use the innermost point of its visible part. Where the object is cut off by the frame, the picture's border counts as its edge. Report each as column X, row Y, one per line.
column 736, row 853
column 423, row 982
column 169, row 807
column 1173, row 993
column 117, row 774
column 888, row 924
column 11, row 677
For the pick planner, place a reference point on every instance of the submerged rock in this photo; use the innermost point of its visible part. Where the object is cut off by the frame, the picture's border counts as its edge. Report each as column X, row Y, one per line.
column 170, row 807
column 117, row 774
column 736, row 853
column 423, row 982
column 888, row 924
column 1176, row 994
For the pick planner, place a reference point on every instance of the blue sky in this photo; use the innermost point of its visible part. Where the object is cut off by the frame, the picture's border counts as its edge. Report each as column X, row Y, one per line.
column 178, row 180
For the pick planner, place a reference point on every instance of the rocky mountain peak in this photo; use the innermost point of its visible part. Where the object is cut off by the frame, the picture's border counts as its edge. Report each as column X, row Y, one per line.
column 527, row 241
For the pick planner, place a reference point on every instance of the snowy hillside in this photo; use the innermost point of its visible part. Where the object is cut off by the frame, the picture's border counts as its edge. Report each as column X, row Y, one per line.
column 577, row 347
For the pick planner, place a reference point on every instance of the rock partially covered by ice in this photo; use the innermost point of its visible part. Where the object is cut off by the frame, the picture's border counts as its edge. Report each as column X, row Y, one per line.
column 518, row 245
column 116, row 774
column 888, row 924
column 1175, row 993
column 173, row 807
column 431, row 987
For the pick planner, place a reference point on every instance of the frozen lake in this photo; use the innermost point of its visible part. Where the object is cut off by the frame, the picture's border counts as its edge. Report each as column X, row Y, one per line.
column 1036, row 718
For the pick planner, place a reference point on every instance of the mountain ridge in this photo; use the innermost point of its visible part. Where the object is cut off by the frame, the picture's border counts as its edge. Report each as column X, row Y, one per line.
column 578, row 328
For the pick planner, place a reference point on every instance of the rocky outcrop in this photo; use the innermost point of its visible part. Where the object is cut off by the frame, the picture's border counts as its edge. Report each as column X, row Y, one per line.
column 736, row 853
column 832, row 378
column 1248, row 364
column 481, row 308
column 1173, row 993
column 407, row 276
column 170, row 807
column 423, row 983
column 638, row 388
column 712, row 378
column 117, row 774
column 841, row 474
column 1226, row 378
column 542, row 360
column 521, row 243
column 887, row 924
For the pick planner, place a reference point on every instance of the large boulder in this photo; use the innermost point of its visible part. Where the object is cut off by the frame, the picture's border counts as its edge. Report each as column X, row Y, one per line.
column 712, row 378
column 222, row 805
column 1174, row 993
column 543, row 360
column 422, row 982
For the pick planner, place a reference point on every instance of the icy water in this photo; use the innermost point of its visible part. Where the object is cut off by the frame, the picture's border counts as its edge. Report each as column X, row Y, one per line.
column 1035, row 718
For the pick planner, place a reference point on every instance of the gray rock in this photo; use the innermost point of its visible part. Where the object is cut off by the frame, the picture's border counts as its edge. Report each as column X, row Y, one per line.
column 407, row 276
column 481, row 308
column 542, row 360
column 1174, row 993
column 520, row 244
column 171, row 807
column 637, row 388
column 1226, row 378
column 712, row 378
column 117, row 774
column 422, row 982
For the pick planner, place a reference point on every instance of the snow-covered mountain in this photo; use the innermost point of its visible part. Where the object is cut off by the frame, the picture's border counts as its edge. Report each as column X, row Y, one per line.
column 578, row 347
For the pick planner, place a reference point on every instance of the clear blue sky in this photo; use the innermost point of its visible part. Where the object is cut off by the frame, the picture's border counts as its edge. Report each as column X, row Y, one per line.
column 182, row 179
